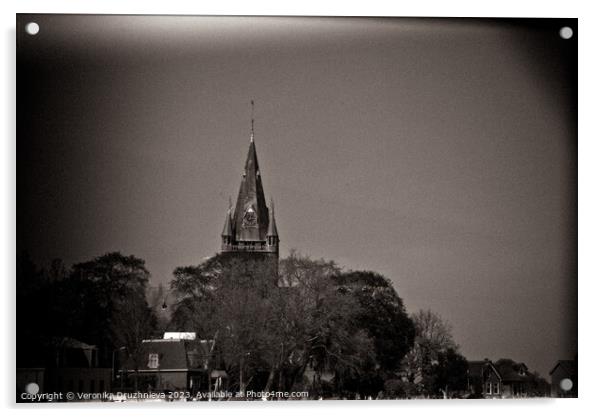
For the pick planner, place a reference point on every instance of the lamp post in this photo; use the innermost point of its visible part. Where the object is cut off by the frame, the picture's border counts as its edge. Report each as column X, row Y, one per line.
column 113, row 366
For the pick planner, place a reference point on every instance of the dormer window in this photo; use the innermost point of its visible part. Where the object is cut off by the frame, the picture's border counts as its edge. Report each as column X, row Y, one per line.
column 153, row 360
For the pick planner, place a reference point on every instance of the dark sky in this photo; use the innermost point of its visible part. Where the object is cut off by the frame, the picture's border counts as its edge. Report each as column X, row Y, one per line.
column 440, row 153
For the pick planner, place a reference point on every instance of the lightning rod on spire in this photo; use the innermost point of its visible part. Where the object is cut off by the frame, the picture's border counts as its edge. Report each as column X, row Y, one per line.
column 252, row 119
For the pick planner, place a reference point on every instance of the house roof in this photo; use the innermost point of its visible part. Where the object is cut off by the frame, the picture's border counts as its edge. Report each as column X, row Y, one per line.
column 174, row 354
column 510, row 371
column 569, row 366
column 70, row 343
column 475, row 368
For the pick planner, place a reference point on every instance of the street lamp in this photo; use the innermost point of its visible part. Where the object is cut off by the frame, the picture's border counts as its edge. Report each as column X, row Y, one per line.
column 113, row 365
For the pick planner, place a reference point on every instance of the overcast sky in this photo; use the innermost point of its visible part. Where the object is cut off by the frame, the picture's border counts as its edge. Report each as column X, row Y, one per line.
column 440, row 153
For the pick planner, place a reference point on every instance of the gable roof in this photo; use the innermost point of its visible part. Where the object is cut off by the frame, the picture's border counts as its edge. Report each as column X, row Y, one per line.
column 475, row 369
column 71, row 343
column 569, row 366
column 511, row 371
column 174, row 354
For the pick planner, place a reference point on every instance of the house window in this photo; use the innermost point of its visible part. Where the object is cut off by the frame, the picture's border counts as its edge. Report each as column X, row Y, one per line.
column 488, row 388
column 153, row 360
column 496, row 388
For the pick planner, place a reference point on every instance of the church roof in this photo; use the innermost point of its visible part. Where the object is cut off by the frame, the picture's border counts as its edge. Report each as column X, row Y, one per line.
column 251, row 217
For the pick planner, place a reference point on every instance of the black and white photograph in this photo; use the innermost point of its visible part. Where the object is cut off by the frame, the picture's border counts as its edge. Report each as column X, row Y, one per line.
column 295, row 208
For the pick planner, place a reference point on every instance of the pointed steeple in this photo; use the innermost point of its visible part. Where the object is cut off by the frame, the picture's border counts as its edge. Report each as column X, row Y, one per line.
column 272, row 229
column 250, row 227
column 227, row 232
column 251, row 215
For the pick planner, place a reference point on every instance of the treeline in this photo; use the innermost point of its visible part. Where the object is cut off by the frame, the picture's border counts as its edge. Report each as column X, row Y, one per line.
column 333, row 333
column 101, row 302
column 313, row 327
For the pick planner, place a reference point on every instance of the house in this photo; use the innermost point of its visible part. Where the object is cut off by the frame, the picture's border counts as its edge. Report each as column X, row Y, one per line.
column 484, row 380
column 516, row 379
column 75, row 368
column 178, row 362
column 564, row 379
column 502, row 379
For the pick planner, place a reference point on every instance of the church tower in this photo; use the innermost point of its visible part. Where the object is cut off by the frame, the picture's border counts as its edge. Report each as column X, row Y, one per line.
column 251, row 226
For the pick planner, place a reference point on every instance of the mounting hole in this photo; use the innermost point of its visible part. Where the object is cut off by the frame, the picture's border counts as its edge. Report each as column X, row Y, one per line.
column 32, row 388
column 32, row 28
column 566, row 32
column 566, row 384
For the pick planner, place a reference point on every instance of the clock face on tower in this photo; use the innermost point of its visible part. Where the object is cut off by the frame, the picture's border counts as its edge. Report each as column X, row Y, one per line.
column 250, row 218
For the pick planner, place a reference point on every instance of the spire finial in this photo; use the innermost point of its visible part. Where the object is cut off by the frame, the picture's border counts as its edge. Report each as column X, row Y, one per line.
column 252, row 119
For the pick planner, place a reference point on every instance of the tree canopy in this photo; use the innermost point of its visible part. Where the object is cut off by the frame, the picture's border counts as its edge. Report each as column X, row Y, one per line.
column 100, row 302
column 345, row 331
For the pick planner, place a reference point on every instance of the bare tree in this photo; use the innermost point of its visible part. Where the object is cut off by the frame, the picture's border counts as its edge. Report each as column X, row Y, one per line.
column 433, row 330
column 434, row 360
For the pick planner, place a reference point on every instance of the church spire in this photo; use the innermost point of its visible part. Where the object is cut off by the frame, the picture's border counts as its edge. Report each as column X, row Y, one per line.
column 250, row 226
column 227, row 232
column 251, row 215
column 272, row 229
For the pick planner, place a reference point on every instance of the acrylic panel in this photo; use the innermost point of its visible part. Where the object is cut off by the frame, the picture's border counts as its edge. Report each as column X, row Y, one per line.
column 295, row 208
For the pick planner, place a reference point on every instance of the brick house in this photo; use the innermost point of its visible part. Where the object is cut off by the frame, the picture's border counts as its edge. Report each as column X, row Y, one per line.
column 174, row 364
